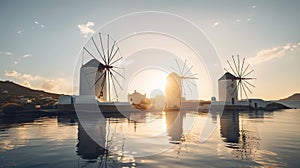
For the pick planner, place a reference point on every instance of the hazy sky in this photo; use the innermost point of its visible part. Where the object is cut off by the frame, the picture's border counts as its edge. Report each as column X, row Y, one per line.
column 40, row 40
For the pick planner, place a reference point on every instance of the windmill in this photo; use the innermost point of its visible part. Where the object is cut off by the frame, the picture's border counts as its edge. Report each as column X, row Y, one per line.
column 242, row 82
column 177, row 82
column 185, row 76
column 103, row 74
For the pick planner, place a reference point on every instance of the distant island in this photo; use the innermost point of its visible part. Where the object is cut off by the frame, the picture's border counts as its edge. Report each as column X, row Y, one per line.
column 295, row 96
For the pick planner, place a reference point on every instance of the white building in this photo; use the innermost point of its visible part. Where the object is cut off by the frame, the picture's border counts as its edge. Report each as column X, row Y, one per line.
column 228, row 91
column 92, row 80
column 136, row 97
column 258, row 103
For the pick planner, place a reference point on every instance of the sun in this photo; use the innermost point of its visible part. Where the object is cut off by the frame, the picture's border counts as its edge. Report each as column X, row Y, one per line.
column 149, row 81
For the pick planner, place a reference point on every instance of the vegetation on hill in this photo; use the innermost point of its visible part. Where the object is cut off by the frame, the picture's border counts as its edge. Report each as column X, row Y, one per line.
column 12, row 88
column 11, row 92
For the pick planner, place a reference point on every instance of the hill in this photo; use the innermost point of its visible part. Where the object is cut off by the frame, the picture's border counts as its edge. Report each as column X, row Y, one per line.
column 13, row 89
column 295, row 96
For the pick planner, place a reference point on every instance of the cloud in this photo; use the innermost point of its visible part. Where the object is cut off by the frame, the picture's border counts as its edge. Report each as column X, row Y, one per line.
column 36, row 22
column 253, row 6
column 42, row 26
column 12, row 74
column 216, row 24
column 20, row 32
column 26, row 83
column 86, row 29
column 273, row 53
column 27, row 55
column 22, row 77
column 50, row 85
column 59, row 85
column 16, row 62
column 8, row 53
column 238, row 20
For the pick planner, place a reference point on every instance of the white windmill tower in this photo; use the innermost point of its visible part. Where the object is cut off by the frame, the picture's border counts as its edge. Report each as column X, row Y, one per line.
column 235, row 85
column 101, row 75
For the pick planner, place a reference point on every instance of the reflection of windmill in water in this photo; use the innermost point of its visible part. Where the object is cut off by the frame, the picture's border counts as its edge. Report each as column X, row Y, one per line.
column 236, row 83
column 178, row 83
column 102, row 75
column 104, row 152
column 240, row 136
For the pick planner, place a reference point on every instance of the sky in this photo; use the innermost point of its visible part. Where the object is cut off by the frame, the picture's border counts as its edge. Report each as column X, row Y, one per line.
column 40, row 40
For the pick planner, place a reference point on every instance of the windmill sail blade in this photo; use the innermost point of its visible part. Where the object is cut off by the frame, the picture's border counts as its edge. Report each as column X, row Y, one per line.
column 116, row 61
column 183, row 67
column 191, row 83
column 245, row 69
column 117, row 81
column 108, row 86
column 113, row 56
column 111, row 51
column 235, row 66
column 98, row 79
column 101, row 42
column 187, row 84
column 231, row 68
column 193, row 74
column 239, row 65
column 103, row 82
column 178, row 67
column 118, row 67
column 249, row 83
column 107, row 48
column 242, row 67
column 112, row 79
column 248, row 88
column 118, row 73
column 98, row 50
column 89, row 53
column 249, row 73
column 240, row 90
column 188, row 70
column 244, row 90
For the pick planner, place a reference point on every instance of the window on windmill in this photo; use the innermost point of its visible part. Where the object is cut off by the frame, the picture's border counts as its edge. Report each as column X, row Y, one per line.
column 101, row 93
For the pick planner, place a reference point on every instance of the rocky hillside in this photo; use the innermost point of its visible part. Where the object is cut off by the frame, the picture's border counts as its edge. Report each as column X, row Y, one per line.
column 13, row 89
column 295, row 96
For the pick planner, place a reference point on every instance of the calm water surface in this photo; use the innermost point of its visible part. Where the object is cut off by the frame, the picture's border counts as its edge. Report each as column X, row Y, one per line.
column 241, row 139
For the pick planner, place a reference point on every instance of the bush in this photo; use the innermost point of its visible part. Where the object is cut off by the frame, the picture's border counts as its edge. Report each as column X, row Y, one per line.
column 11, row 108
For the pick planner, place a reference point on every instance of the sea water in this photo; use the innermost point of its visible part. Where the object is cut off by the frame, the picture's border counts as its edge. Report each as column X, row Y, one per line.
column 240, row 139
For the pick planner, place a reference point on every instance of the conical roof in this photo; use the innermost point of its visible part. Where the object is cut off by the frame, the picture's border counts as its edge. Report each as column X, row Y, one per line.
column 228, row 76
column 94, row 63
